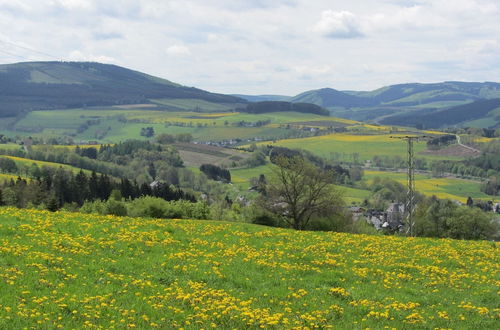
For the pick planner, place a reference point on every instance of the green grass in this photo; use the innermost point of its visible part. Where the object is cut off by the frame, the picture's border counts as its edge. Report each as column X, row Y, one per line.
column 214, row 125
column 73, row 270
column 450, row 188
column 26, row 162
column 345, row 144
column 241, row 179
column 10, row 146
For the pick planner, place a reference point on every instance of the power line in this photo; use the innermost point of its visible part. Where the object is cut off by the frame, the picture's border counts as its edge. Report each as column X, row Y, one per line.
column 28, row 48
column 15, row 55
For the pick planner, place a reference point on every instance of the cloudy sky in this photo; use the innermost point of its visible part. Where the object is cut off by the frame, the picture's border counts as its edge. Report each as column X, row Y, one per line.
column 264, row 46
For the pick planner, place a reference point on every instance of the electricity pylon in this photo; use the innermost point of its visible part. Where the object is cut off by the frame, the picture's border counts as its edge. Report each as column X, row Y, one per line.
column 410, row 195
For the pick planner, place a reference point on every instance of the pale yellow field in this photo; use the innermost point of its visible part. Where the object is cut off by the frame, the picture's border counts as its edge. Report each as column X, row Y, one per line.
column 27, row 162
column 444, row 188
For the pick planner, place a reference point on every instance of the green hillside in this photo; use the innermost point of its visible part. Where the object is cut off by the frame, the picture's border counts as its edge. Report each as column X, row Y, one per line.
column 56, row 85
column 409, row 104
column 71, row 270
column 467, row 113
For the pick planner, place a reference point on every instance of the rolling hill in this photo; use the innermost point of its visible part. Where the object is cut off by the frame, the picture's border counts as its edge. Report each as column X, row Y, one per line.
column 434, row 105
column 58, row 85
column 480, row 110
column 414, row 94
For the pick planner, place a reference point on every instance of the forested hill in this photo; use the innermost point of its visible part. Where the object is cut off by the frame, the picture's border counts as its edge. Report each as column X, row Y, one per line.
column 485, row 109
column 57, row 85
column 403, row 94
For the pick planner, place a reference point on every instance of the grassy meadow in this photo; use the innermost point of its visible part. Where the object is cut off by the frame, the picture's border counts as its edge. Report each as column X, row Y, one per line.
column 215, row 125
column 28, row 162
column 345, row 144
column 445, row 188
column 71, row 270
column 241, row 179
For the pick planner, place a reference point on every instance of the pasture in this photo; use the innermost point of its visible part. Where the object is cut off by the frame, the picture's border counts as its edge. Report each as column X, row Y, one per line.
column 446, row 188
column 366, row 146
column 71, row 270
column 26, row 163
column 114, row 124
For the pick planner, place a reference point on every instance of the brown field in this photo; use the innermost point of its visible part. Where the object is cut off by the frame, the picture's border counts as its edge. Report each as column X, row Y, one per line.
column 194, row 155
column 454, row 150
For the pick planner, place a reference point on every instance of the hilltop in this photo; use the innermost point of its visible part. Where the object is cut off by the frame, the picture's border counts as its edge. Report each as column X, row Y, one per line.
column 58, row 85
column 74, row 270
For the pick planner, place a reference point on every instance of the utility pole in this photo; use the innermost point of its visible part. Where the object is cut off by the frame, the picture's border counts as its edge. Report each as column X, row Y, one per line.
column 410, row 195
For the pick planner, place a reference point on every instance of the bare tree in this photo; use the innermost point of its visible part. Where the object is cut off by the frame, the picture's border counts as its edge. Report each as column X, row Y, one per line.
column 298, row 190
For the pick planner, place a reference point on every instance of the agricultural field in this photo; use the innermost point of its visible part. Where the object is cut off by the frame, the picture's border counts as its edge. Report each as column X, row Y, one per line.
column 10, row 146
column 366, row 146
column 28, row 162
column 7, row 177
column 445, row 188
column 71, row 270
column 114, row 124
column 194, row 155
column 241, row 178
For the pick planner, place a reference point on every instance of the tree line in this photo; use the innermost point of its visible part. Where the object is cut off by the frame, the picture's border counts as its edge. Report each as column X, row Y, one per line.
column 54, row 188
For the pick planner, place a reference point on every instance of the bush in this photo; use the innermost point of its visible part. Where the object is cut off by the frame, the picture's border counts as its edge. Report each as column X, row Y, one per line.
column 265, row 220
column 115, row 207
column 98, row 207
column 338, row 223
column 159, row 208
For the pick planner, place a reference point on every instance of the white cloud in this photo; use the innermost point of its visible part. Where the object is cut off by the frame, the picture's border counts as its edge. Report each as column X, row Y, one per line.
column 73, row 4
column 178, row 50
column 77, row 55
column 264, row 46
column 338, row 24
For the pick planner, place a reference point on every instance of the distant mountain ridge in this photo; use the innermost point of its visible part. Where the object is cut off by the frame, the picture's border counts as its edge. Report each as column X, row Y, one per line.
column 399, row 95
column 431, row 104
column 30, row 86
column 58, row 85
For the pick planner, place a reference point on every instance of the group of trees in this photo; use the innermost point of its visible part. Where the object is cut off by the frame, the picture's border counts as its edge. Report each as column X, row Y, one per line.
column 56, row 187
column 278, row 106
column 216, row 173
column 148, row 131
column 444, row 218
column 440, row 141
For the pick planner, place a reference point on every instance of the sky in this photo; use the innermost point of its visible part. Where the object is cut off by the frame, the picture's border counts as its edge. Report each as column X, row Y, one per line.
column 264, row 46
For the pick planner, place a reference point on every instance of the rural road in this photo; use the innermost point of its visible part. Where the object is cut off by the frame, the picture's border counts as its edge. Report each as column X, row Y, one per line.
column 463, row 145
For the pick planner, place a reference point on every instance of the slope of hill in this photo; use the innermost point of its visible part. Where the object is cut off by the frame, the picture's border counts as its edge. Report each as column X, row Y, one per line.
column 401, row 104
column 57, row 85
column 74, row 270
column 328, row 97
column 476, row 110
column 261, row 98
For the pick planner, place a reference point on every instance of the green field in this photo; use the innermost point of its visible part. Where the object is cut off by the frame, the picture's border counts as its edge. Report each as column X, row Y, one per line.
column 70, row 270
column 446, row 188
column 28, row 162
column 10, row 146
column 7, row 177
column 203, row 126
column 366, row 146
column 241, row 178
column 449, row 188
